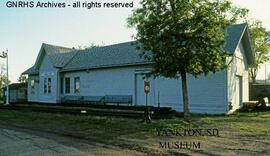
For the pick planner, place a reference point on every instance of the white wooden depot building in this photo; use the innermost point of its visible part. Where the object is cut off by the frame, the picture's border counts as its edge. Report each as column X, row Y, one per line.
column 116, row 70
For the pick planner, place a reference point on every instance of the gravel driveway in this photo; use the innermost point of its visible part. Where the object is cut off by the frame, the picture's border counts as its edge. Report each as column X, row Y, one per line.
column 18, row 143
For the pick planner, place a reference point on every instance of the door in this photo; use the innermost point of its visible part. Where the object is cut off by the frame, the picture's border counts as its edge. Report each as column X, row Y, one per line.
column 238, row 92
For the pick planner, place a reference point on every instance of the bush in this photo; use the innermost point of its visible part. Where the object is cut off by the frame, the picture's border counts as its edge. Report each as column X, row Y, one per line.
column 261, row 105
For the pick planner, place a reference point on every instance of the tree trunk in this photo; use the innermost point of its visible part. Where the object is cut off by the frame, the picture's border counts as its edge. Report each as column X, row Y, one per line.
column 253, row 74
column 253, row 79
column 185, row 94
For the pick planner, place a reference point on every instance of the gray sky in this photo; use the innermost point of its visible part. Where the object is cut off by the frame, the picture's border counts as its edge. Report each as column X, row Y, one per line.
column 22, row 31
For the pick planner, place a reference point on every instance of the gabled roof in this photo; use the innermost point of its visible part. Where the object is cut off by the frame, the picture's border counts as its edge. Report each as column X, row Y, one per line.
column 233, row 37
column 124, row 54
column 31, row 71
column 237, row 33
column 58, row 55
column 15, row 86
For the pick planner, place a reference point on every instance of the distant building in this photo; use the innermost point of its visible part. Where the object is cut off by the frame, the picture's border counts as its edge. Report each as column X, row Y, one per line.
column 115, row 72
column 263, row 75
column 17, row 93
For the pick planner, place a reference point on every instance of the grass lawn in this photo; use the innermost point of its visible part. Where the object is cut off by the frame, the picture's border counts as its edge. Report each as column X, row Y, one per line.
column 239, row 133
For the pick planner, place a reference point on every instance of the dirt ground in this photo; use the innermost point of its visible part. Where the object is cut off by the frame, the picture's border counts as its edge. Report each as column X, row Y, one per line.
column 20, row 141
column 238, row 134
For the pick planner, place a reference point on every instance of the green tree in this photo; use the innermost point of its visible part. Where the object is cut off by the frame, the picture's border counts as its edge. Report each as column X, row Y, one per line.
column 23, row 79
column 3, row 79
column 261, row 44
column 185, row 36
column 92, row 45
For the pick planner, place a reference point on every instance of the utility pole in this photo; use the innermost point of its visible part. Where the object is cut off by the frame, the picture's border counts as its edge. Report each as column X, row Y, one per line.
column 5, row 55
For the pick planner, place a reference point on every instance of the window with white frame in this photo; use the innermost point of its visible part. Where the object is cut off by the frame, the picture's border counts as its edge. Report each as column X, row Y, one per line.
column 67, row 85
column 49, row 85
column 32, row 86
column 61, row 85
column 45, row 85
column 77, row 85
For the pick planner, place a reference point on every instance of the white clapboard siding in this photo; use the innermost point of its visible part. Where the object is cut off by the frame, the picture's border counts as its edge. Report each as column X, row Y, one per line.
column 118, row 70
column 33, row 96
column 47, row 70
column 206, row 94
column 111, row 81
column 238, row 91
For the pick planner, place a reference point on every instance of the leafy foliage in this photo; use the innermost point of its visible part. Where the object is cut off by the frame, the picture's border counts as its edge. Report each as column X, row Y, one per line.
column 3, row 77
column 185, row 36
column 3, row 80
column 261, row 43
column 23, row 79
column 92, row 45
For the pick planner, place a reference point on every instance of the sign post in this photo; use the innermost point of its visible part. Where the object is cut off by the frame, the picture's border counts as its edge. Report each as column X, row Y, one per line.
column 147, row 90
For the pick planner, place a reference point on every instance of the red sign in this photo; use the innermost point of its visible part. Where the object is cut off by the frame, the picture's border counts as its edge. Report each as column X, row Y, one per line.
column 146, row 87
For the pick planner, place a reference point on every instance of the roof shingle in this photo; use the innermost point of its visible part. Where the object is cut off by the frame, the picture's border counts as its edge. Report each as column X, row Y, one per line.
column 59, row 55
column 108, row 56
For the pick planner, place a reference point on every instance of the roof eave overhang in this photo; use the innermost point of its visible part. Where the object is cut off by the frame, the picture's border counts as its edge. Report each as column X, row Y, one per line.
column 40, row 54
column 26, row 73
column 107, row 66
column 250, row 54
